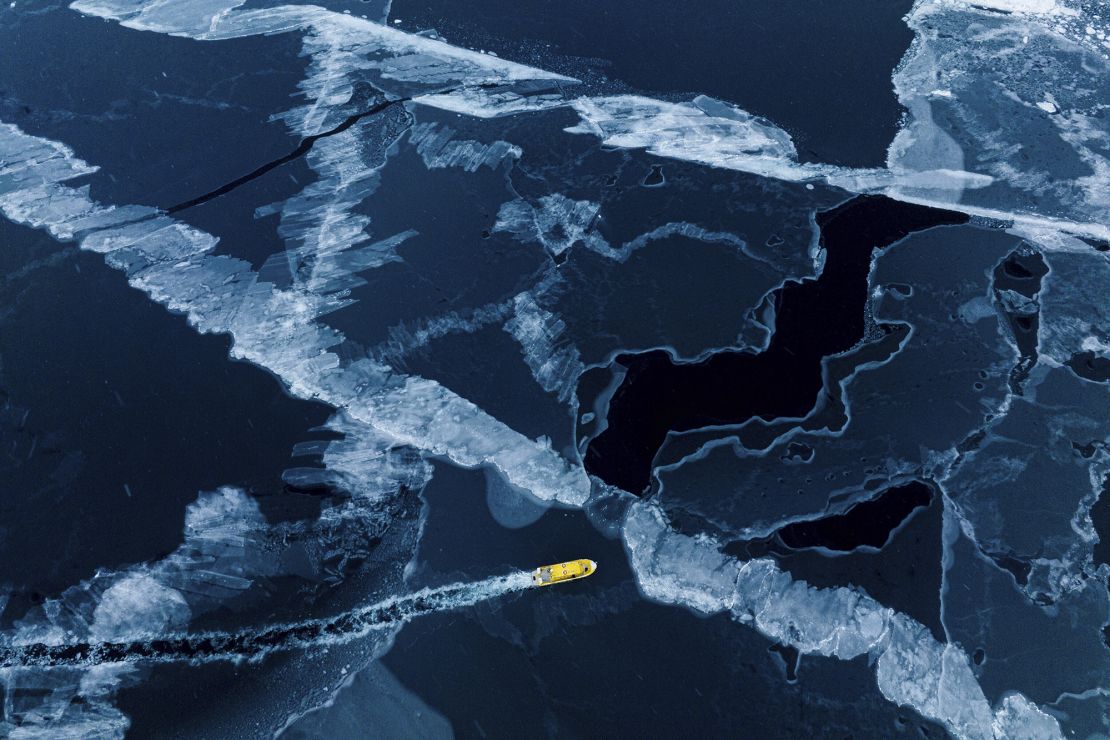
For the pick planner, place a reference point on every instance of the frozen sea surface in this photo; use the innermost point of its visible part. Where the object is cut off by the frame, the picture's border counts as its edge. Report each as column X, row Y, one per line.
column 321, row 325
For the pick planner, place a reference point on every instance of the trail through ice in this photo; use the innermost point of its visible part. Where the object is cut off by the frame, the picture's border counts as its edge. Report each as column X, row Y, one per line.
column 257, row 642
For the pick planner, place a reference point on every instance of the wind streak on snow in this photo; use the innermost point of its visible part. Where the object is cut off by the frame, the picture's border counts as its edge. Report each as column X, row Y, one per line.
column 912, row 668
column 257, row 643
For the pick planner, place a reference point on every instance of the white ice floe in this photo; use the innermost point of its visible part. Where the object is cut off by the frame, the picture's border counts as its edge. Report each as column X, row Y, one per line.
column 228, row 548
column 138, row 603
column 705, row 130
column 1014, row 6
column 329, row 243
column 912, row 668
column 407, row 337
column 279, row 328
column 396, row 54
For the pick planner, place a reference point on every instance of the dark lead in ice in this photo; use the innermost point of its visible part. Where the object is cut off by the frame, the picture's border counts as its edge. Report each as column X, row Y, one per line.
column 814, row 318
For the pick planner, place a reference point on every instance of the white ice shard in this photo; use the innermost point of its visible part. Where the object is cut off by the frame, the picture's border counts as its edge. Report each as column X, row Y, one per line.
column 427, row 416
column 138, row 606
column 438, row 148
column 39, row 705
column 1015, row 6
column 228, row 548
column 407, row 337
column 556, row 223
column 705, row 130
column 140, row 602
column 329, row 243
column 352, row 41
column 687, row 230
column 717, row 134
column 491, row 103
column 912, row 668
column 555, row 363
column 279, row 328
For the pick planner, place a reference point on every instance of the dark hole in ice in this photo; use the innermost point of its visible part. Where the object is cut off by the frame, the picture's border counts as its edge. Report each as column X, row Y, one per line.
column 654, row 178
column 905, row 574
column 319, row 488
column 1086, row 451
column 558, row 231
column 1098, row 244
column 901, row 289
column 1090, row 366
column 1021, row 272
column 867, row 524
column 1018, row 568
column 790, row 658
column 979, row 656
column 797, row 452
column 1014, row 268
column 814, row 318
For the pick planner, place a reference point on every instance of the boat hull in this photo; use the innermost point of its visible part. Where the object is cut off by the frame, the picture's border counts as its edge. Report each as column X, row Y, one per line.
column 572, row 570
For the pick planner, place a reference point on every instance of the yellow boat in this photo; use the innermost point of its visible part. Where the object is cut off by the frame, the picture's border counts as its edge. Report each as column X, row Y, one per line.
column 571, row 570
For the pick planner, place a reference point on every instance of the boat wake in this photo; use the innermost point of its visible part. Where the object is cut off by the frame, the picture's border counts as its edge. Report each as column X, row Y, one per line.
column 256, row 643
